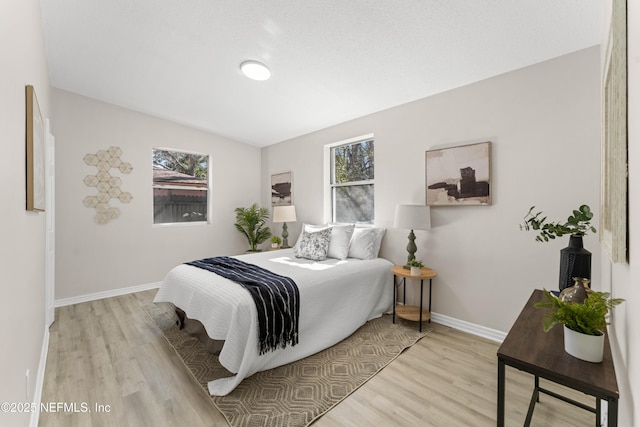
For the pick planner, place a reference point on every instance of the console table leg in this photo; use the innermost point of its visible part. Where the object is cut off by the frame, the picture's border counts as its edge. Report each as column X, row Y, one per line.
column 501, row 384
column 532, row 405
column 535, row 397
column 612, row 412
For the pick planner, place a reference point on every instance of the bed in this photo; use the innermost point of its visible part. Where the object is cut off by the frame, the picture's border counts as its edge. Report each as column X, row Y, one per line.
column 337, row 296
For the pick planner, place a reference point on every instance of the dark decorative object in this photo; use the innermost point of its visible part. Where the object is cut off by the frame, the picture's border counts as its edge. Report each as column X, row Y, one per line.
column 575, row 261
column 576, row 293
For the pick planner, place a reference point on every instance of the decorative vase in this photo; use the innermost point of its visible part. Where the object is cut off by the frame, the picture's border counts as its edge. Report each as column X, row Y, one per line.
column 415, row 271
column 575, row 261
column 583, row 346
column 576, row 293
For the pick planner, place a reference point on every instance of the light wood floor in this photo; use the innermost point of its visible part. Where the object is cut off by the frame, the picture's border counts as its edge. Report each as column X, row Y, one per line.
column 109, row 352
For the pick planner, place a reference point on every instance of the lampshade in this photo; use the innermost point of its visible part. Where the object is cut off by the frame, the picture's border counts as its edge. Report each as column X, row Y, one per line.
column 412, row 217
column 284, row 214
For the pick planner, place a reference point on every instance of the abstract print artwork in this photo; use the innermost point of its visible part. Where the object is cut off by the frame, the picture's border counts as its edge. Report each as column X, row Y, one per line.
column 281, row 194
column 459, row 176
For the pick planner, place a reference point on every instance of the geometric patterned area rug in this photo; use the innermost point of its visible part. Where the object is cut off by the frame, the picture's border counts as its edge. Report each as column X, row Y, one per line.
column 298, row 393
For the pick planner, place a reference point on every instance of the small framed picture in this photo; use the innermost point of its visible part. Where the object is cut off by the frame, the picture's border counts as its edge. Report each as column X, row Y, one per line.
column 459, row 176
column 35, row 152
column 281, row 189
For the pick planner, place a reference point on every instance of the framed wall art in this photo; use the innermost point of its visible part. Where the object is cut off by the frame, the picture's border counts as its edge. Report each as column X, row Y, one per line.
column 34, row 153
column 459, row 176
column 281, row 189
column 614, row 158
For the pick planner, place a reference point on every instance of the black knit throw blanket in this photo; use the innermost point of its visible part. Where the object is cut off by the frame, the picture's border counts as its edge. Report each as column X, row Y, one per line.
column 276, row 297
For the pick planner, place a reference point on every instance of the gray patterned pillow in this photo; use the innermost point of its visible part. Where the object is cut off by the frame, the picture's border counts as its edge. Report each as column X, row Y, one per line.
column 314, row 245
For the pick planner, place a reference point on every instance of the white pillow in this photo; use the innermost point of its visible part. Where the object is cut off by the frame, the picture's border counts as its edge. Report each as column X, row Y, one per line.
column 314, row 244
column 340, row 239
column 365, row 242
column 378, row 240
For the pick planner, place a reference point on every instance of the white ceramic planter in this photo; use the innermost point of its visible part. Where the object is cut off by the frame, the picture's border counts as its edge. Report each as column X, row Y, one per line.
column 415, row 271
column 583, row 346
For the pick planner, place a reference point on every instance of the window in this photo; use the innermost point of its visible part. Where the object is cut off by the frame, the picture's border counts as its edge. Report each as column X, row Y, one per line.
column 352, row 173
column 180, row 186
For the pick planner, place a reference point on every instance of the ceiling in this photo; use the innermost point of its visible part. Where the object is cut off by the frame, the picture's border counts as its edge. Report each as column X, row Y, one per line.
column 331, row 60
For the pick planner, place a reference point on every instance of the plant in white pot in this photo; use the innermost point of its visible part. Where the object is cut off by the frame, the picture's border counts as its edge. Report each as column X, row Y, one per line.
column 584, row 324
column 275, row 242
column 415, row 266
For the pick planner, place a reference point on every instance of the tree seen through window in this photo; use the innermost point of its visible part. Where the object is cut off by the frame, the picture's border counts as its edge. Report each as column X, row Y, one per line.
column 180, row 186
column 352, row 182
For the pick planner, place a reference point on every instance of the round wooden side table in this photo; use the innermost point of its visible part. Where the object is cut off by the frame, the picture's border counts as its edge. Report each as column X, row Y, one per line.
column 411, row 312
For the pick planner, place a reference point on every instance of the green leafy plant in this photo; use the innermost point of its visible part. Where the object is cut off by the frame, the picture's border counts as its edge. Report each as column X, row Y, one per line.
column 251, row 223
column 578, row 224
column 587, row 318
column 415, row 263
column 276, row 240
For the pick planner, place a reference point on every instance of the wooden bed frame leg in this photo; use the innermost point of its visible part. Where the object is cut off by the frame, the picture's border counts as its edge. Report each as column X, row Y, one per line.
column 181, row 316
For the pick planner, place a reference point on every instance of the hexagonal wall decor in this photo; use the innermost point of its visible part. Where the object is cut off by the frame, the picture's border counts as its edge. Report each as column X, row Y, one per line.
column 107, row 185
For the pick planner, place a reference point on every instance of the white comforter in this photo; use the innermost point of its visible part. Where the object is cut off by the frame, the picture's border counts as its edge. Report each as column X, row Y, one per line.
column 336, row 298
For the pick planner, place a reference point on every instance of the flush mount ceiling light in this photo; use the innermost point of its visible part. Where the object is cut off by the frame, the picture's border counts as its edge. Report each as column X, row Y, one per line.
column 255, row 70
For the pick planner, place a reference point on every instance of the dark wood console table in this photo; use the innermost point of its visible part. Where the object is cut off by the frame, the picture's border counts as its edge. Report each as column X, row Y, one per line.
column 528, row 348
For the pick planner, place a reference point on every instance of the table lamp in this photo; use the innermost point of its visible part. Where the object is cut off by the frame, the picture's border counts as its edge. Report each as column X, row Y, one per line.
column 284, row 214
column 412, row 217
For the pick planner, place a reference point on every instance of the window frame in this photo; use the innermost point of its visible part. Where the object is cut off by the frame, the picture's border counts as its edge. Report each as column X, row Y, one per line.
column 329, row 176
column 206, row 189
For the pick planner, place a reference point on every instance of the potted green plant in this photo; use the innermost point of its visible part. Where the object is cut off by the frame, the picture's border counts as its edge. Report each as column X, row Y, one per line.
column 275, row 242
column 584, row 324
column 251, row 223
column 415, row 266
column 575, row 261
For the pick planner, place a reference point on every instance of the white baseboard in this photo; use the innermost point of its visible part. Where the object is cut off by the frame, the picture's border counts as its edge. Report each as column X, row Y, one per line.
column 106, row 294
column 472, row 328
column 37, row 393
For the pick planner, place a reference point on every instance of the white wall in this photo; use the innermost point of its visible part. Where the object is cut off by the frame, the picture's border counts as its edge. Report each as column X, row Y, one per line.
column 21, row 232
column 623, row 280
column 130, row 251
column 544, row 122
